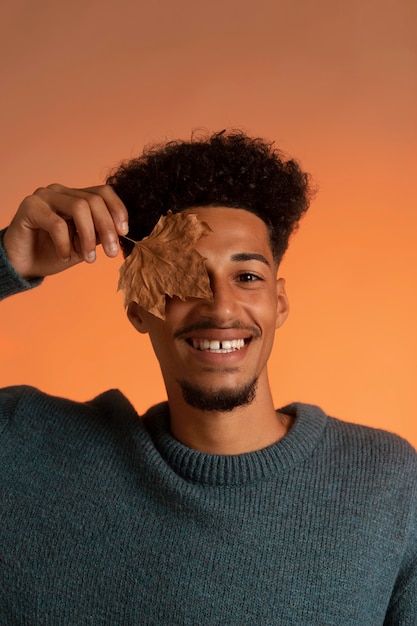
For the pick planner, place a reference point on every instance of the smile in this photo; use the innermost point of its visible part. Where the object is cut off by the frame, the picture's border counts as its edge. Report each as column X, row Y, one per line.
column 218, row 347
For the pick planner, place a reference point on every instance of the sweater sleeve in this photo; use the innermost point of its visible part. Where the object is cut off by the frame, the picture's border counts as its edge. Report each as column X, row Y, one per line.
column 402, row 610
column 10, row 281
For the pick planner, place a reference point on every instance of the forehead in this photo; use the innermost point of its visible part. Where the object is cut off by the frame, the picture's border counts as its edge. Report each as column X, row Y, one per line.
column 237, row 230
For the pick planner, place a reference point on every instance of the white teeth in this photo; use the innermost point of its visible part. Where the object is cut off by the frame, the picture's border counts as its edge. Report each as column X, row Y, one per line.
column 220, row 347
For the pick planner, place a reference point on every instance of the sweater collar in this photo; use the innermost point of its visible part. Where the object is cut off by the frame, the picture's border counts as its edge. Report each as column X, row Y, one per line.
column 230, row 470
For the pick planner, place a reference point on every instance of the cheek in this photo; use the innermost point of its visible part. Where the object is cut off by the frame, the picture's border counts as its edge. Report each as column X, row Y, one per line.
column 158, row 335
column 265, row 309
column 178, row 313
column 175, row 307
column 161, row 333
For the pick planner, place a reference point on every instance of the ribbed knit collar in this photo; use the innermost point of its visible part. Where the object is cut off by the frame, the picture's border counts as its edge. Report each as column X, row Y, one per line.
column 233, row 470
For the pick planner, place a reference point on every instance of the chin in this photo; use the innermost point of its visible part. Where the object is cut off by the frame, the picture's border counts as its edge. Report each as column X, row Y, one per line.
column 220, row 400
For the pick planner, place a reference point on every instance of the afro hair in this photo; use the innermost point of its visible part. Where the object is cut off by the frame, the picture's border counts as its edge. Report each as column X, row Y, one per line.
column 227, row 169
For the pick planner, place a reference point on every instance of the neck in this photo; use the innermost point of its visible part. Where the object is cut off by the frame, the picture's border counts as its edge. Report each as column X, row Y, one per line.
column 244, row 429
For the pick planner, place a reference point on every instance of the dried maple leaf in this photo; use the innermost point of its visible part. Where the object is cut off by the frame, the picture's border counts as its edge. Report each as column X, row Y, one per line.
column 166, row 264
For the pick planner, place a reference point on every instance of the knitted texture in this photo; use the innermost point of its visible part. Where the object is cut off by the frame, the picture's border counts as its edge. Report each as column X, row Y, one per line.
column 105, row 518
column 10, row 281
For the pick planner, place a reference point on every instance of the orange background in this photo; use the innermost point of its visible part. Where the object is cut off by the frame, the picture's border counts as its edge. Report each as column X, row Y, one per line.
column 86, row 84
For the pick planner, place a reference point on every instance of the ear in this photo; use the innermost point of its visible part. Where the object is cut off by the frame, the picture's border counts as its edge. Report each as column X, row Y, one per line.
column 283, row 306
column 136, row 317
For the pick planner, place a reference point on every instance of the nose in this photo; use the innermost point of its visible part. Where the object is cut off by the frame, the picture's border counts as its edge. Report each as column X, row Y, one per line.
column 224, row 306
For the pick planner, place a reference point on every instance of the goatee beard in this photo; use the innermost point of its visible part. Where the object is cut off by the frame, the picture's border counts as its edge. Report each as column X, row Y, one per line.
column 221, row 400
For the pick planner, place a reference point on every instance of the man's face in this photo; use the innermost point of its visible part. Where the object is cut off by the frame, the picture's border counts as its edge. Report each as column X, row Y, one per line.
column 220, row 348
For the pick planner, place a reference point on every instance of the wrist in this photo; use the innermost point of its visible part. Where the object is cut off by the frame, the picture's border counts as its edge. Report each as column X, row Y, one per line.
column 11, row 281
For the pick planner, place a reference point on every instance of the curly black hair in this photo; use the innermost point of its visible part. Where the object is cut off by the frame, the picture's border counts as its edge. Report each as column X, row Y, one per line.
column 227, row 169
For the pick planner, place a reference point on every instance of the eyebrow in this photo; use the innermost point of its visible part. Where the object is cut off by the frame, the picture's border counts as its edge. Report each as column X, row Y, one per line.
column 250, row 256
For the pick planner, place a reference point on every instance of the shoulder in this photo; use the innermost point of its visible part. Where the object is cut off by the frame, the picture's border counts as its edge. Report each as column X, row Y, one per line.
column 373, row 443
column 378, row 460
column 358, row 448
column 25, row 409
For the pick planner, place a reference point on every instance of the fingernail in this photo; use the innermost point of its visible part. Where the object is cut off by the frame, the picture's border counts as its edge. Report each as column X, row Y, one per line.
column 112, row 248
column 124, row 227
column 67, row 259
column 91, row 256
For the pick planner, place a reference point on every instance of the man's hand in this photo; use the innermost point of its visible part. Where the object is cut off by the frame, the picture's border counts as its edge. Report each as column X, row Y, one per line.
column 58, row 227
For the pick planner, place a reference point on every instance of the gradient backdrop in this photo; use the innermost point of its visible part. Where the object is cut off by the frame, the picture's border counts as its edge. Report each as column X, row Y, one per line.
column 85, row 84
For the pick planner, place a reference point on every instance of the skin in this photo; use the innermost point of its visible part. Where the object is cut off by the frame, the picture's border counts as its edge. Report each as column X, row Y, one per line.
column 246, row 294
column 58, row 227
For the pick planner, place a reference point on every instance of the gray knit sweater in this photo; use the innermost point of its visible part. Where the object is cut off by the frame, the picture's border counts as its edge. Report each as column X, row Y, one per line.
column 106, row 519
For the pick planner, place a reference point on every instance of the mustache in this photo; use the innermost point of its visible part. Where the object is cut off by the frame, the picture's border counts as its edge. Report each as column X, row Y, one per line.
column 210, row 324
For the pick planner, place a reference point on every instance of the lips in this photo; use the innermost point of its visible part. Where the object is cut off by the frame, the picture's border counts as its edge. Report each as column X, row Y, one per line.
column 218, row 347
column 211, row 342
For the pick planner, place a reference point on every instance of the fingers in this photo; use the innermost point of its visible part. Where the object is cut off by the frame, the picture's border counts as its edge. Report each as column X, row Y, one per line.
column 57, row 227
column 37, row 215
column 97, row 213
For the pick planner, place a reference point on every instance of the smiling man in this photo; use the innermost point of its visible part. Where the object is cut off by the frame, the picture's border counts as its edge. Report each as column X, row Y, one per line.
column 213, row 354
column 213, row 507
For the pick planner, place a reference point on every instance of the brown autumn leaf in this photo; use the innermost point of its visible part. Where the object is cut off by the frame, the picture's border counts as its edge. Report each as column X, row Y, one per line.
column 166, row 264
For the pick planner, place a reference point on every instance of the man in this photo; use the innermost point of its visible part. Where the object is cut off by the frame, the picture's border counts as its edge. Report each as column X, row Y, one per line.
column 213, row 508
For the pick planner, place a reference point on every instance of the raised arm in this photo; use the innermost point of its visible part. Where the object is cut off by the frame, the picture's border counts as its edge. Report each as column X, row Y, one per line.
column 57, row 227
